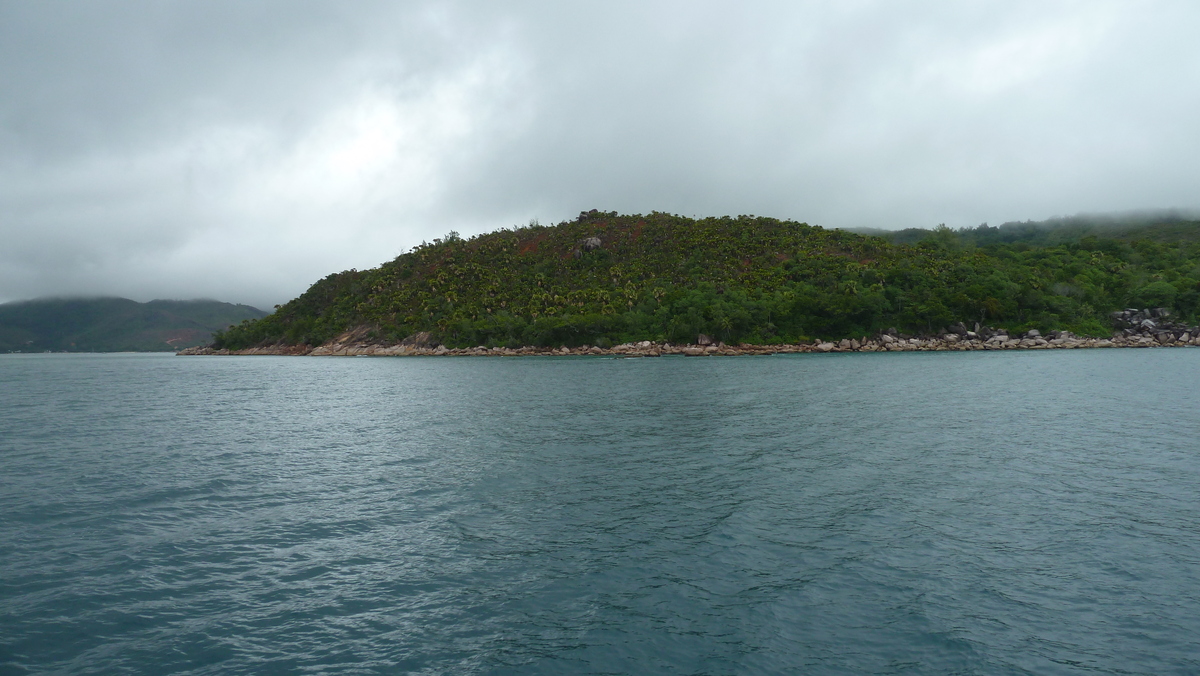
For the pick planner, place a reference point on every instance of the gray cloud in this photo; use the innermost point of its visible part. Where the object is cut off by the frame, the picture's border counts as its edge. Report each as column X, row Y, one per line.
column 241, row 151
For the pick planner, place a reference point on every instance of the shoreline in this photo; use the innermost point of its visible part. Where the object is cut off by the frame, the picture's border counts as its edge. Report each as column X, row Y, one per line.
column 884, row 343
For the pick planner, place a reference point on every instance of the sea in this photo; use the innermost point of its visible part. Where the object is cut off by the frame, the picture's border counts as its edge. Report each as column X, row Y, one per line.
column 1025, row 512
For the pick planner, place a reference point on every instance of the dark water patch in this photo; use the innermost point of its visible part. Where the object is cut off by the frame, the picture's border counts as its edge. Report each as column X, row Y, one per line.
column 872, row 513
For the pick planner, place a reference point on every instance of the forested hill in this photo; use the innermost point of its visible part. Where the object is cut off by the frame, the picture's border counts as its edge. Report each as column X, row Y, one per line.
column 1160, row 226
column 607, row 278
column 114, row 324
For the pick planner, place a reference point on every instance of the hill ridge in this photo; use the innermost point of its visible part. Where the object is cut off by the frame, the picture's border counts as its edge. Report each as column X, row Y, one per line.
column 114, row 324
column 669, row 278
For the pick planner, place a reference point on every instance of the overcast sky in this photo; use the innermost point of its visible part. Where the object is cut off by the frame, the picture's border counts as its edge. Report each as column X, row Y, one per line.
column 242, row 150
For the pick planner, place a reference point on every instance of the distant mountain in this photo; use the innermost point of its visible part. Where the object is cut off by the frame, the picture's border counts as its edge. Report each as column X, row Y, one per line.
column 1167, row 226
column 115, row 324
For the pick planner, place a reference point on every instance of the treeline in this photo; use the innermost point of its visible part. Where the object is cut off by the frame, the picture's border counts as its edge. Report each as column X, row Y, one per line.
column 1158, row 226
column 605, row 279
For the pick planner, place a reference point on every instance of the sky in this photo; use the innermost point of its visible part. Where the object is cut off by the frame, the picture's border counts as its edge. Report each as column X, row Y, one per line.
column 242, row 151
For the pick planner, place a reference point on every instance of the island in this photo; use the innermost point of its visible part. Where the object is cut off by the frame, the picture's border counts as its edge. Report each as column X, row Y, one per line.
column 607, row 283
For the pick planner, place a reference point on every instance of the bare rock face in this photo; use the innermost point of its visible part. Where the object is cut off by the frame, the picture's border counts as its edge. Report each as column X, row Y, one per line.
column 1150, row 326
column 589, row 244
column 419, row 339
column 703, row 340
column 199, row 349
column 354, row 335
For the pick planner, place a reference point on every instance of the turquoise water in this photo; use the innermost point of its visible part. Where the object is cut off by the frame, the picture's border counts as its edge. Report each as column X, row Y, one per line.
column 922, row 513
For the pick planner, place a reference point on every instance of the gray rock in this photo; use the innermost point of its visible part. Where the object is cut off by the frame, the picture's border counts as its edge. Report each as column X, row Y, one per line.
column 1033, row 333
column 703, row 340
column 591, row 244
column 419, row 339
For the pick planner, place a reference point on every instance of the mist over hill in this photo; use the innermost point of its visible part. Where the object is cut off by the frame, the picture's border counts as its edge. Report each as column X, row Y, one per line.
column 1165, row 225
column 114, row 324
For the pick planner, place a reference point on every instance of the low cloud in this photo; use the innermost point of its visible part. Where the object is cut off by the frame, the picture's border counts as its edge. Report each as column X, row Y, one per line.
column 242, row 152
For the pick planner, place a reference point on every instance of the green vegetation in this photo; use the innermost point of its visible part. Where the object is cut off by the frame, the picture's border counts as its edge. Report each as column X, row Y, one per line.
column 744, row 279
column 114, row 324
column 1163, row 226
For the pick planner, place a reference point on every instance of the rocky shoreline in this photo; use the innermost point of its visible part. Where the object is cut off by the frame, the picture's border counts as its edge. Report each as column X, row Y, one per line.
column 1135, row 328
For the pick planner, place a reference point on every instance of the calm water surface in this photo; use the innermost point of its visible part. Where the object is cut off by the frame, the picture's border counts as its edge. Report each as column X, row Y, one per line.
column 941, row 513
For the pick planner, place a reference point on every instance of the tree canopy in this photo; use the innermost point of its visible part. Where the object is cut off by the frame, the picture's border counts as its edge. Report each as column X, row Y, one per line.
column 739, row 279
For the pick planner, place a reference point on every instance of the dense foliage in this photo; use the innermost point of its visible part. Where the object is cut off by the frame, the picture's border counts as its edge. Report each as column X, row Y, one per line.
column 1161, row 226
column 744, row 279
column 114, row 324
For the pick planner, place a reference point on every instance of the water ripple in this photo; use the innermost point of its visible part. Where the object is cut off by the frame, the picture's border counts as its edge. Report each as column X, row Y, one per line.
column 994, row 513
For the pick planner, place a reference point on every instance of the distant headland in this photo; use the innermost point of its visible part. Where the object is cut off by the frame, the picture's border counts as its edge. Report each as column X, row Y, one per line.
column 114, row 324
column 664, row 284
